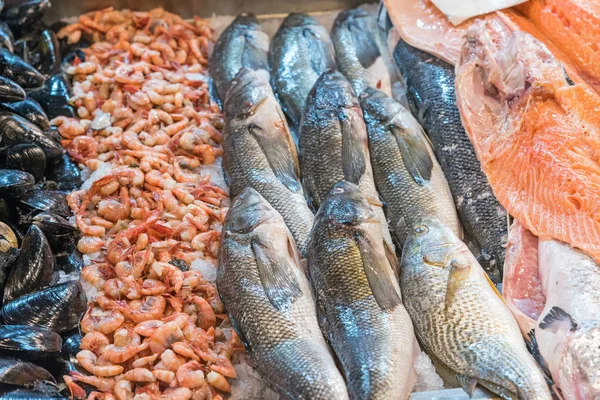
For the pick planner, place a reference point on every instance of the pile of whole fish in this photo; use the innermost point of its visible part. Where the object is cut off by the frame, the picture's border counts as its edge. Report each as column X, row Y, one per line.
column 37, row 242
column 315, row 297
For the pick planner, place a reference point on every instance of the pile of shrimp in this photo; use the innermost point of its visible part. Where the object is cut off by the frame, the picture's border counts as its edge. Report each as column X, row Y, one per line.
column 153, row 328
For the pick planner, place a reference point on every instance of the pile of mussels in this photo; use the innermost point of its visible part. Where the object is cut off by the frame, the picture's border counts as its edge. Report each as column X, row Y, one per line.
column 40, row 296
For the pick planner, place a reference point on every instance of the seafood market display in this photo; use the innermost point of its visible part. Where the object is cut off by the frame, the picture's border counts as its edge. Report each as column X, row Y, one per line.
column 319, row 209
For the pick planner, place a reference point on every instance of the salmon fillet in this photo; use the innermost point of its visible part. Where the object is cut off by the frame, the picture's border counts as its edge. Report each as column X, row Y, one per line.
column 573, row 26
column 535, row 133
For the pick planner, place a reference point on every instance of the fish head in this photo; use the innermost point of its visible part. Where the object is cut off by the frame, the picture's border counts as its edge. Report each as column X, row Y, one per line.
column 295, row 20
column 432, row 242
column 248, row 91
column 249, row 211
column 354, row 19
column 246, row 21
column 378, row 106
column 346, row 205
column 580, row 367
column 333, row 91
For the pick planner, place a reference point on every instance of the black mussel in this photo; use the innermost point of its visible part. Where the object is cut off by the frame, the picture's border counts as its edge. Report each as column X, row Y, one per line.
column 53, row 134
column 70, row 57
column 21, row 49
column 10, row 91
column 57, row 308
column 24, row 157
column 45, row 200
column 8, row 238
column 16, row 130
column 54, row 97
column 30, row 110
column 30, row 394
column 34, row 269
column 63, row 237
column 28, row 339
column 4, row 210
column 14, row 182
column 15, row 68
column 53, row 224
column 65, row 173
column 14, row 371
column 6, row 37
column 71, row 346
column 24, row 15
column 69, row 260
column 9, row 251
column 46, row 54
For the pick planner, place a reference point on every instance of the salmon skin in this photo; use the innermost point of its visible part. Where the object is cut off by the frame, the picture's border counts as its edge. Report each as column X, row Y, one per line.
column 430, row 83
column 535, row 133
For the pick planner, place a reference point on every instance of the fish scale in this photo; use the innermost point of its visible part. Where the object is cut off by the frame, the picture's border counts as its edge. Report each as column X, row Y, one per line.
column 431, row 93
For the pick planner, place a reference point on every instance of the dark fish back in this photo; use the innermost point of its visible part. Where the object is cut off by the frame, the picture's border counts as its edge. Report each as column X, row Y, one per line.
column 432, row 99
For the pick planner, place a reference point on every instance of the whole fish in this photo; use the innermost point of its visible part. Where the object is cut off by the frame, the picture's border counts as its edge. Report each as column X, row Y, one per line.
column 362, row 54
column 359, row 298
column 258, row 151
column 407, row 174
column 460, row 318
column 431, row 94
column 300, row 52
column 554, row 292
column 242, row 44
column 265, row 289
column 333, row 144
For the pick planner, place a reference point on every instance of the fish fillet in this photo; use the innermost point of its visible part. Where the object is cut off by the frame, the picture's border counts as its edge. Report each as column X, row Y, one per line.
column 535, row 133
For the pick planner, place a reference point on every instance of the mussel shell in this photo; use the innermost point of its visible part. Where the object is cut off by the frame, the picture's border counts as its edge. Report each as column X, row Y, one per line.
column 53, row 224
column 71, row 346
column 21, row 49
column 30, row 394
column 14, row 182
column 8, row 239
column 34, row 269
column 69, row 260
column 25, row 157
column 70, row 57
column 7, row 259
column 45, row 57
column 45, row 200
column 24, row 14
column 14, row 371
column 16, row 130
column 15, row 68
column 54, row 97
column 57, row 308
column 65, row 173
column 6, row 37
column 30, row 110
column 10, row 91
column 30, row 339
column 63, row 238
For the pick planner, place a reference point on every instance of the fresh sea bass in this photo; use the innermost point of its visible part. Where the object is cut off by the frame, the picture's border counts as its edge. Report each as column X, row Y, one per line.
column 554, row 290
column 333, row 144
column 359, row 298
column 431, row 93
column 258, row 151
column 460, row 318
column 362, row 54
column 242, row 44
column 407, row 175
column 300, row 52
column 268, row 296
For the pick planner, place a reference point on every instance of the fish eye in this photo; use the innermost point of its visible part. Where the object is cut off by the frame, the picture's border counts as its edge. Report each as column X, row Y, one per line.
column 338, row 190
column 237, row 202
column 421, row 229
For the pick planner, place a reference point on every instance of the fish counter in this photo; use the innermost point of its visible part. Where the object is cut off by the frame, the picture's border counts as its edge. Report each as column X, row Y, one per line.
column 357, row 203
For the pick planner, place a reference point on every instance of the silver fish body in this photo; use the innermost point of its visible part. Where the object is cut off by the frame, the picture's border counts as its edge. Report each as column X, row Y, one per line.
column 362, row 54
column 407, row 174
column 359, row 299
column 333, row 144
column 242, row 44
column 259, row 152
column 267, row 294
column 300, row 52
column 461, row 320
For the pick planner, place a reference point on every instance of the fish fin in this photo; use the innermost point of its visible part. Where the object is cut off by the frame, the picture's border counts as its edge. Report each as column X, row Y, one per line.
column 384, row 288
column 458, row 273
column 254, row 57
column 415, row 153
column 556, row 319
column 390, row 254
column 365, row 46
column 321, row 51
column 467, row 383
column 534, row 349
column 493, row 286
column 277, row 277
column 353, row 157
column 278, row 156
